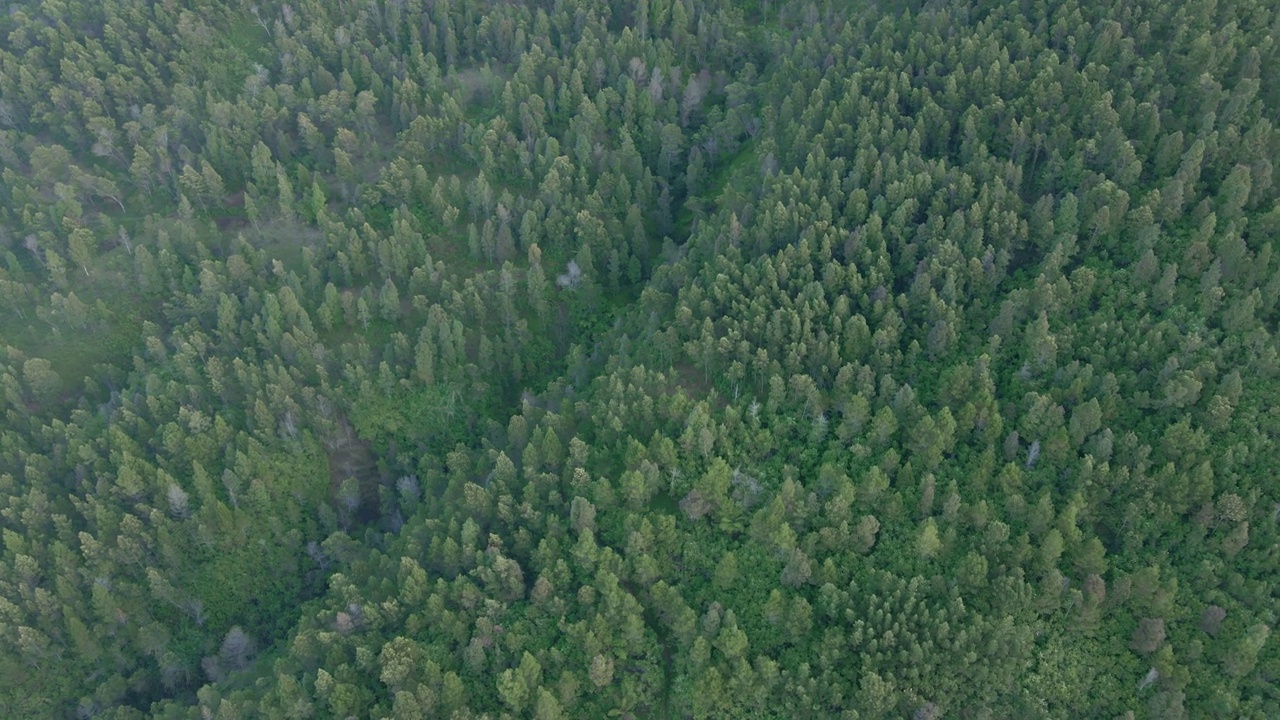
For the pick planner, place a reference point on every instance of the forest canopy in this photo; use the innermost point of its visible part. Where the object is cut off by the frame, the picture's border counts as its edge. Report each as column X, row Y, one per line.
column 671, row 358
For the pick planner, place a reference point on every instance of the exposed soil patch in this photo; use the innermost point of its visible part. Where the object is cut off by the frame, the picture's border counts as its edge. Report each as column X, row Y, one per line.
column 351, row 457
column 230, row 223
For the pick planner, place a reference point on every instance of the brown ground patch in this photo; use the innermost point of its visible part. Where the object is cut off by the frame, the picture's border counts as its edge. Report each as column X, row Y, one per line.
column 349, row 456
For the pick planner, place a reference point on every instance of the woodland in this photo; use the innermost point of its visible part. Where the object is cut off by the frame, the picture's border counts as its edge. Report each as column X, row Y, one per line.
column 639, row 359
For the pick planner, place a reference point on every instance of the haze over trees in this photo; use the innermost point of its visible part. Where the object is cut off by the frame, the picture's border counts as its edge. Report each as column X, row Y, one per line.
column 671, row 358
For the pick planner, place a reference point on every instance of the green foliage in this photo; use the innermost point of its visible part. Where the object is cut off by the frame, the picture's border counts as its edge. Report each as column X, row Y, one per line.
column 431, row 418
column 477, row 358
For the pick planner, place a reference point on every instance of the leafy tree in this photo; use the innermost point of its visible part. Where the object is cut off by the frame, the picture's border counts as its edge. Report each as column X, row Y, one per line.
column 959, row 346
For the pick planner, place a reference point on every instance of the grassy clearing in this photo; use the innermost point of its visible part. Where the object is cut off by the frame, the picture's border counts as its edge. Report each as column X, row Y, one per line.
column 742, row 166
column 246, row 45
column 284, row 240
column 728, row 177
column 112, row 326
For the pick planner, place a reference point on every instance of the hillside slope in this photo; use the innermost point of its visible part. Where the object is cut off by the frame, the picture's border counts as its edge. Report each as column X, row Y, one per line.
column 672, row 359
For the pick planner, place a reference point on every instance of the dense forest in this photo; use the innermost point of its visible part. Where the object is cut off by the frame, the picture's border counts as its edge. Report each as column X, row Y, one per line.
column 658, row 359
